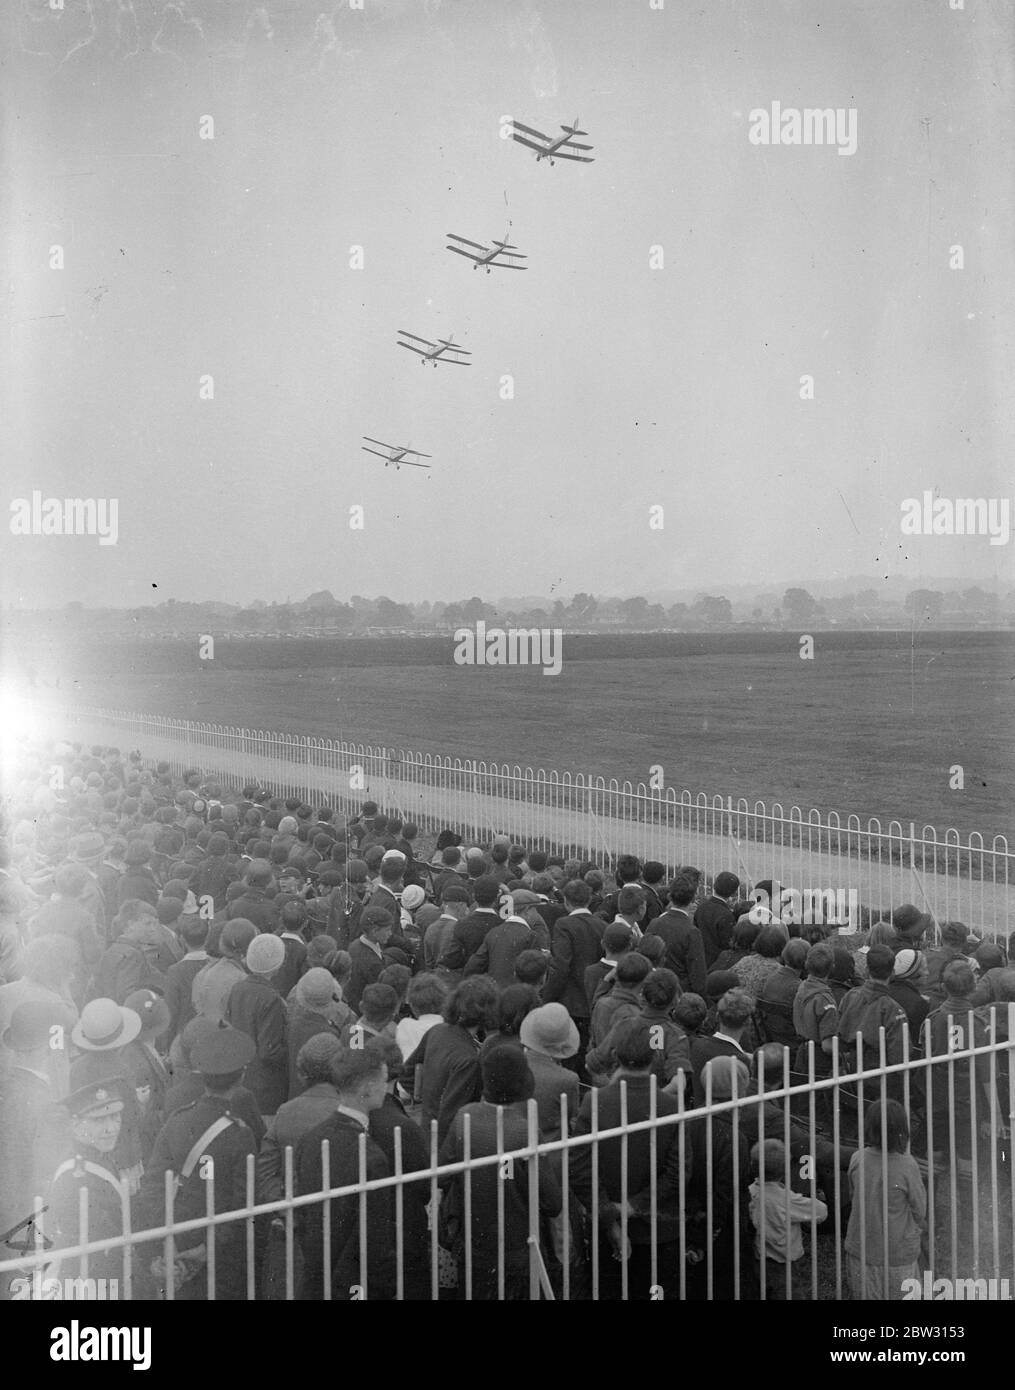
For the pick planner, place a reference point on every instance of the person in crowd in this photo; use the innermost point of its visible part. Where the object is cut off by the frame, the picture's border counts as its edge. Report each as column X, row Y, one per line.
column 470, row 932
column 777, row 1215
column 401, row 1141
column 88, row 1186
column 47, row 979
column 549, row 1037
column 255, row 1008
column 208, row 1128
column 908, row 987
column 180, row 977
column 618, row 941
column 349, row 1270
column 959, row 1095
column 67, row 917
column 955, row 946
column 378, row 1009
column 503, row 944
column 143, row 1066
column 367, row 953
column 621, row 1209
column 501, row 1265
column 714, row 917
column 868, row 1009
column 576, row 943
column 734, row 1013
column 451, row 1072
column 815, row 1013
column 313, row 1099
column 214, row 982
column 515, row 1002
column 764, row 961
column 313, row 1013
column 622, row 1000
column 533, row 968
column 778, row 992
column 720, row 1188
column 685, row 951
column 880, row 1257
column 426, row 997
column 188, row 1083
column 880, row 934
column 292, row 917
column 100, row 1036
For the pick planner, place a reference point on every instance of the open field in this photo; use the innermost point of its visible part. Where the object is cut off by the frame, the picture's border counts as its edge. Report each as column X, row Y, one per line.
column 738, row 715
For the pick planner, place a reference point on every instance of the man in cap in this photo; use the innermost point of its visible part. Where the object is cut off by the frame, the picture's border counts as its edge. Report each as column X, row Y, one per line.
column 207, row 1129
column 315, row 1100
column 367, row 953
column 437, row 937
column 87, row 850
column 504, row 942
column 714, row 917
column 27, row 1140
column 255, row 903
column 189, row 1084
column 138, row 881
column 471, row 931
column 256, row 1008
column 90, row 1180
column 360, row 1077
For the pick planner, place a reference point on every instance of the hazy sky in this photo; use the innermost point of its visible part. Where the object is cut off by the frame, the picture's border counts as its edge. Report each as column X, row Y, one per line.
column 633, row 387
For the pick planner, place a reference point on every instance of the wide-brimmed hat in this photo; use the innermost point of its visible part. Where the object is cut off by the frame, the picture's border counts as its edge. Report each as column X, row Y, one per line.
column 551, row 1031
column 86, row 847
column 104, row 1025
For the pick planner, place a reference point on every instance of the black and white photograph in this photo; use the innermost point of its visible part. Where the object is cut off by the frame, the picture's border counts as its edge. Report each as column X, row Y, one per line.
column 536, row 832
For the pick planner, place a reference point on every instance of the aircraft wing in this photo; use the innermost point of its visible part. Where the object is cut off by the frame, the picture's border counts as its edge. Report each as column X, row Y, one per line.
column 578, row 158
column 415, row 465
column 414, row 349
column 540, row 149
column 573, row 145
column 456, row 360
column 507, row 265
column 466, row 242
column 418, row 455
column 386, row 457
column 459, row 252
column 380, row 442
column 417, row 339
column 529, row 131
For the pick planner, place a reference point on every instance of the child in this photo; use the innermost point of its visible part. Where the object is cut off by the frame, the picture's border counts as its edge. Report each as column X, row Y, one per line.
column 884, row 1162
column 778, row 1213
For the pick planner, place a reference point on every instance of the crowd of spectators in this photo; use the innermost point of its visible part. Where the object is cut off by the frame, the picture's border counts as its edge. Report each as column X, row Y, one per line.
column 191, row 970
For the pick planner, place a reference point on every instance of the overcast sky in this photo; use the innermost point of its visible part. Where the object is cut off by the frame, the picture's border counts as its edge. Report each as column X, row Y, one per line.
column 633, row 387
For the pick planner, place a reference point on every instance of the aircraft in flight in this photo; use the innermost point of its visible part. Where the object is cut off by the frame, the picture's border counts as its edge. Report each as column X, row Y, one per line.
column 553, row 147
column 435, row 352
column 396, row 454
column 489, row 254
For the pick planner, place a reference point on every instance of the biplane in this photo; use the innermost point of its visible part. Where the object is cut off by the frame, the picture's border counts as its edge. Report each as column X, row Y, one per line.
column 440, row 351
column 396, row 454
column 488, row 254
column 553, row 147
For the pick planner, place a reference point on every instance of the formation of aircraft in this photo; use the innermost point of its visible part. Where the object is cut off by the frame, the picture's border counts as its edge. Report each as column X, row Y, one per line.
column 488, row 254
column 553, row 147
column 396, row 454
column 436, row 352
column 500, row 254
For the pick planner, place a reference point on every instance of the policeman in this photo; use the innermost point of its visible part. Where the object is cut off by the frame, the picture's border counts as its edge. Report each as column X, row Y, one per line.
column 96, row 1114
column 205, row 1147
